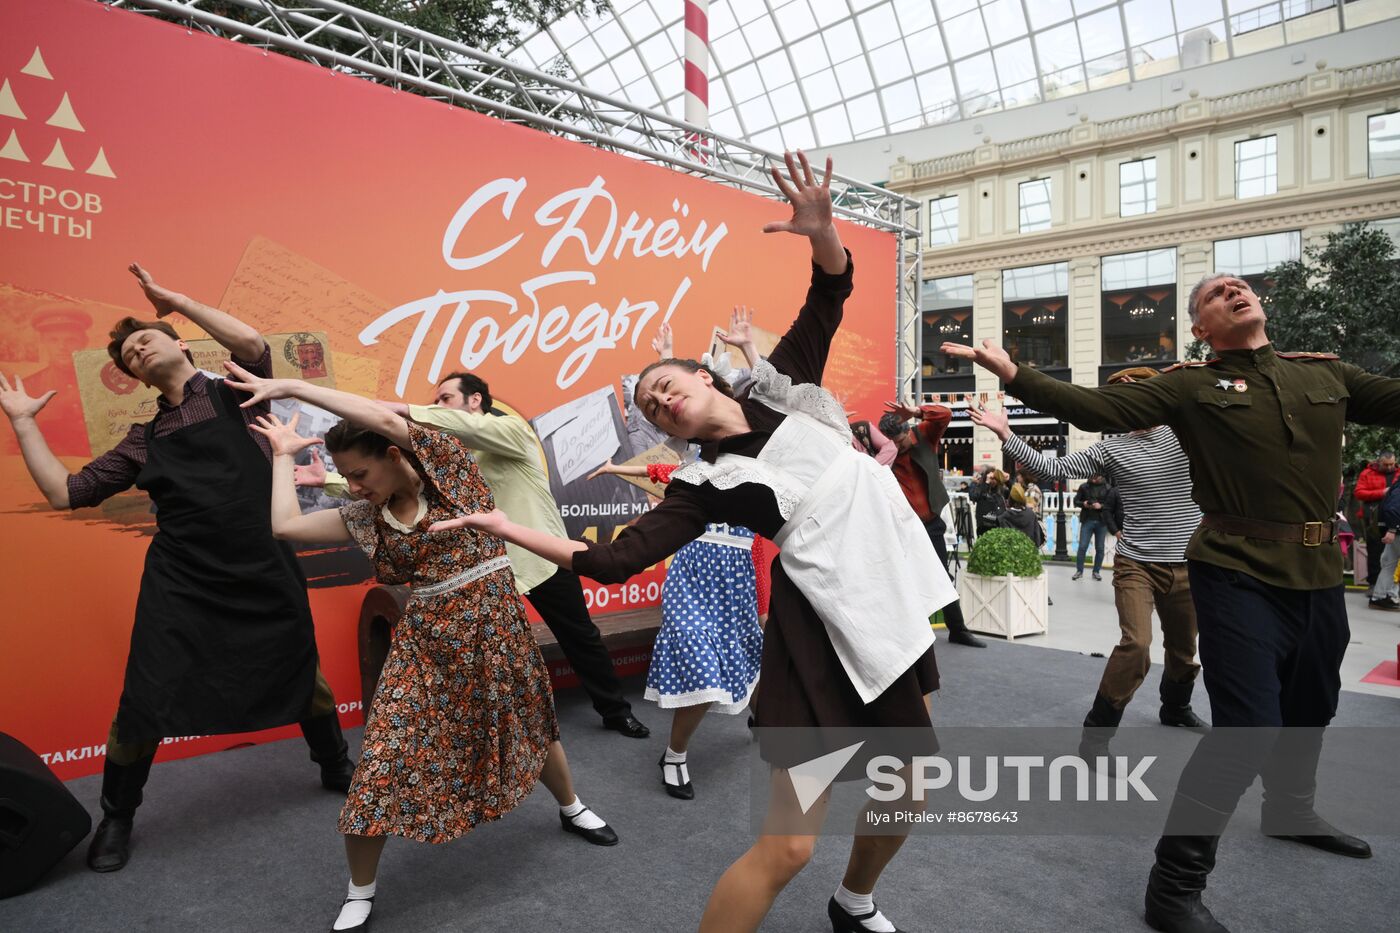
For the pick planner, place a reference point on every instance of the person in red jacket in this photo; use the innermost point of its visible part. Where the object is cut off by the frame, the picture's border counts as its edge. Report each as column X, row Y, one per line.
column 916, row 468
column 1371, row 487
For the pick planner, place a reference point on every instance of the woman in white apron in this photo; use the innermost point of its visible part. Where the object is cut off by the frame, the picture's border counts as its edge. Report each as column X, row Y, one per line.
column 848, row 642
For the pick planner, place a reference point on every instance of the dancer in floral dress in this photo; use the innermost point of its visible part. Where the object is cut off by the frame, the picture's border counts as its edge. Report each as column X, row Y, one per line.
column 462, row 724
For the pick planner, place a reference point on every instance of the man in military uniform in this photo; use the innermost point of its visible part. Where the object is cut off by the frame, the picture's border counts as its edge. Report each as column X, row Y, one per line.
column 1265, row 572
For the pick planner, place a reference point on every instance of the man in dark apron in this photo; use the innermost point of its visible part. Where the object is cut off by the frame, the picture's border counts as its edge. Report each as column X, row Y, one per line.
column 223, row 640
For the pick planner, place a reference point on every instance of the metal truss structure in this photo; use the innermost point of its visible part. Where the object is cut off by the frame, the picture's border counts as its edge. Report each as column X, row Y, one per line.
column 350, row 41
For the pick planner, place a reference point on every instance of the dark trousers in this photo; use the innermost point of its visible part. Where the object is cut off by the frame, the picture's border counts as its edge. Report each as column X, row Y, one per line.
column 1271, row 658
column 1374, row 547
column 1095, row 528
column 559, row 601
column 129, row 763
column 952, row 613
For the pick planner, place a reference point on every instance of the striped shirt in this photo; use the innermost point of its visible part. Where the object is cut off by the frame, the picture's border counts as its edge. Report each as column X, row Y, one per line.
column 1153, row 477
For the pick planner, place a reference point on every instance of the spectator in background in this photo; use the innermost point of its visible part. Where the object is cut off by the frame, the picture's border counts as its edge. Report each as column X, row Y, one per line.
column 992, row 502
column 1386, row 592
column 1095, row 522
column 1030, row 492
column 1019, row 516
column 916, row 469
column 1371, row 487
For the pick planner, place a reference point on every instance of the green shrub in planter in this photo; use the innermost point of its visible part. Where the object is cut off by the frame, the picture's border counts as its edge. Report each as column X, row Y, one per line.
column 1004, row 552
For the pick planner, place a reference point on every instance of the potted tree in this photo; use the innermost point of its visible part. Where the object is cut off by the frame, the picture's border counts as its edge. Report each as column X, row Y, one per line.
column 1004, row 590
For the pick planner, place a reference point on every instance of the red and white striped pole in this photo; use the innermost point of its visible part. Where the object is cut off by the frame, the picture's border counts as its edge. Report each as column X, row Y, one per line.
column 697, row 70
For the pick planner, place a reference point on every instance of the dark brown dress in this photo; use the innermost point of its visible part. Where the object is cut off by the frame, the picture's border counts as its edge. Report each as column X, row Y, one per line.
column 803, row 681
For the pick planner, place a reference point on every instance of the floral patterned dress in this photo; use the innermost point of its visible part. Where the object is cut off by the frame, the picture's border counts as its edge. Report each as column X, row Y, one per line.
column 463, row 715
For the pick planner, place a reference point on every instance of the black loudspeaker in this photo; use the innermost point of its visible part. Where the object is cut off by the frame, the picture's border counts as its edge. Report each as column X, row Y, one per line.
column 40, row 821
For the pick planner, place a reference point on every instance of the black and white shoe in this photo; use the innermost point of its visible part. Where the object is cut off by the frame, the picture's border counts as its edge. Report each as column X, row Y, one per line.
column 676, row 778
column 352, row 916
column 602, row 835
column 842, row 922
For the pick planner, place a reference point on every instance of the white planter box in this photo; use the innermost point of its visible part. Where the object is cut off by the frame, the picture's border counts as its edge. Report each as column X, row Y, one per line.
column 1005, row 606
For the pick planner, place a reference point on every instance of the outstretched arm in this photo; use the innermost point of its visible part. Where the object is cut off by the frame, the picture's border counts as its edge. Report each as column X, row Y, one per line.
column 364, row 412
column 287, row 521
column 1122, row 407
column 240, row 339
column 552, row 548
column 50, row 475
column 1080, row 463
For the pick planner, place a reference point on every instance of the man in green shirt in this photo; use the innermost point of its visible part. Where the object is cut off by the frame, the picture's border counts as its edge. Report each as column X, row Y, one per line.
column 1263, row 433
column 508, row 456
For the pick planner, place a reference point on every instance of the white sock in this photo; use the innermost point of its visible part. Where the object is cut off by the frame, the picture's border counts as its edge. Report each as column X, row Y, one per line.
column 858, row 905
column 356, row 909
column 674, row 771
column 581, row 816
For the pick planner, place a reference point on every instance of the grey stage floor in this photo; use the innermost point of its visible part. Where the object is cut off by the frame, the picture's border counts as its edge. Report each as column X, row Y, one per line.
column 245, row 841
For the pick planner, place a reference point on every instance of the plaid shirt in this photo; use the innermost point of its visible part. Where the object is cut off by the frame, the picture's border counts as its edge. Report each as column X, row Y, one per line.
column 117, row 469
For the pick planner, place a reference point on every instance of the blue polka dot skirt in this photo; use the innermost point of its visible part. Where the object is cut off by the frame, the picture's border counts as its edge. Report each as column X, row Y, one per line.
column 710, row 645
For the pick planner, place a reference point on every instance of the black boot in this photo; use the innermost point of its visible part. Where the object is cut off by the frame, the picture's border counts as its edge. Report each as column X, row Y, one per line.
column 1176, row 705
column 121, row 795
column 1290, row 785
column 328, row 749
column 1185, row 857
column 1173, row 901
column 1099, row 727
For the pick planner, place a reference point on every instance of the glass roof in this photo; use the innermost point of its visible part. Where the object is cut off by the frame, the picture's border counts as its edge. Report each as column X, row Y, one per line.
column 807, row 73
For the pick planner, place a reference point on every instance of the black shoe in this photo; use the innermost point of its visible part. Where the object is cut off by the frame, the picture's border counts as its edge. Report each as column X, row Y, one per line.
column 1077, row 575
column 111, row 844
column 628, row 725
column 842, row 922
column 362, row 927
column 602, row 836
column 1176, row 706
column 1173, row 900
column 337, row 775
column 964, row 637
column 1320, row 834
column 1389, row 604
column 681, row 790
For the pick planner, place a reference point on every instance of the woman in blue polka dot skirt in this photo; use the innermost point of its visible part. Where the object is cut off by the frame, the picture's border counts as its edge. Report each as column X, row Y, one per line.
column 708, row 651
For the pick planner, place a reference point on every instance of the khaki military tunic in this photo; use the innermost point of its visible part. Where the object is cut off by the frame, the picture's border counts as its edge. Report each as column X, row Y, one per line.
column 1263, row 433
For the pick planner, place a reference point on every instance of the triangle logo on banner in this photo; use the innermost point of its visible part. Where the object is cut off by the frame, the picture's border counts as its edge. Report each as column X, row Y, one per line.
column 9, row 107
column 36, row 67
column 12, row 149
column 58, row 158
column 64, row 117
column 99, row 165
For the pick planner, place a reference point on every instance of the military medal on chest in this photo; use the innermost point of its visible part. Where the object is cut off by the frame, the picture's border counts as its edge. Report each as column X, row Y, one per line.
column 1239, row 385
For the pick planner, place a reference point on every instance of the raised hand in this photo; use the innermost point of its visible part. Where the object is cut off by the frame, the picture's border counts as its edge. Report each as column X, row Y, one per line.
column 661, row 343
column 282, row 435
column 18, row 403
column 811, row 202
column 904, row 411
column 990, row 356
column 261, row 389
column 313, row 474
column 162, row 299
column 993, row 420
column 490, row 522
column 740, row 333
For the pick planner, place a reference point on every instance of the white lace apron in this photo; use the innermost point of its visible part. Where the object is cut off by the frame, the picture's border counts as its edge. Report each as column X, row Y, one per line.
column 850, row 541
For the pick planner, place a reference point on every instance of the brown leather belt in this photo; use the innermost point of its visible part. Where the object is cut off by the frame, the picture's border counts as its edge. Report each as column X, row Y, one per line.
column 1308, row 534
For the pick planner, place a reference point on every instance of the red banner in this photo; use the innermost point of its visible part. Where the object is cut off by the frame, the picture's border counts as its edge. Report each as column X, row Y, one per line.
column 380, row 240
